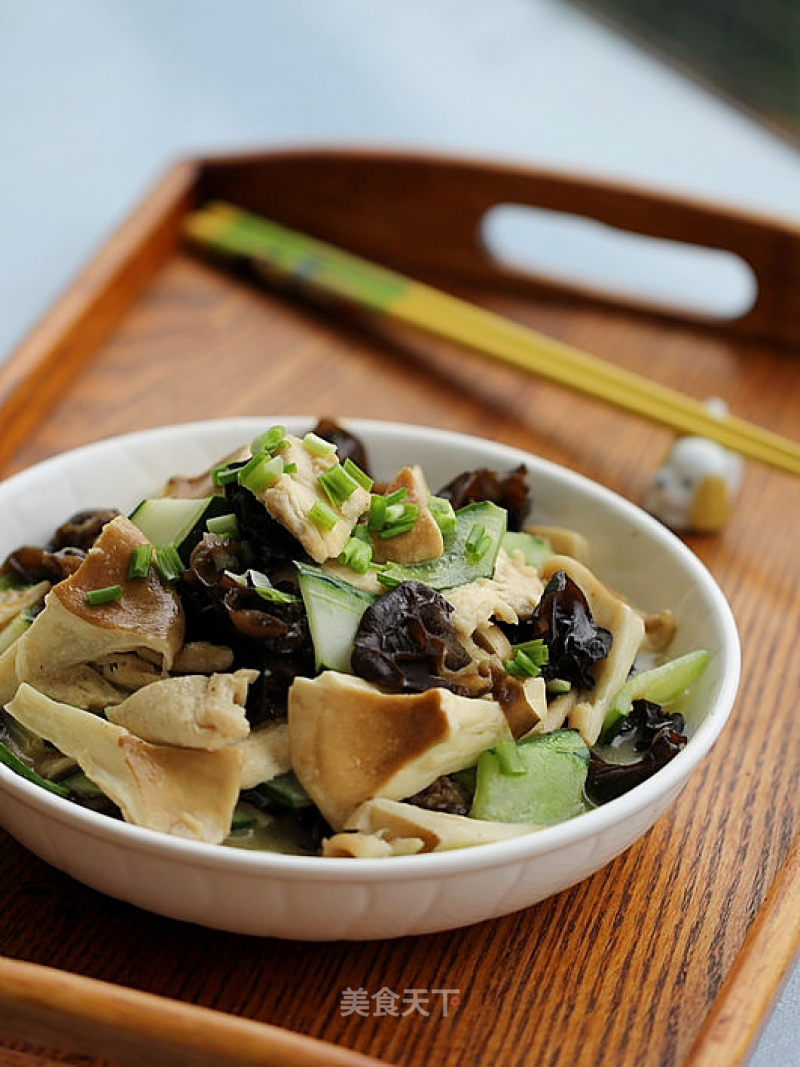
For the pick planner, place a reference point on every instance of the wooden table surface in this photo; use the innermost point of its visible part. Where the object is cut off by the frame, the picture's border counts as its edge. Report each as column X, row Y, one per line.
column 622, row 969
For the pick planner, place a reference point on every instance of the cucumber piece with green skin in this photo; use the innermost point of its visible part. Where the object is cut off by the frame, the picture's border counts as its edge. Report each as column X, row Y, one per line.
column 534, row 549
column 334, row 610
column 549, row 791
column 14, row 630
column 458, row 566
column 13, row 761
column 174, row 521
column 661, row 685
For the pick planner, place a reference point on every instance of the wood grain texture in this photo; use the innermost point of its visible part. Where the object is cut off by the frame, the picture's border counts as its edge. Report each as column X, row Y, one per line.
column 624, row 968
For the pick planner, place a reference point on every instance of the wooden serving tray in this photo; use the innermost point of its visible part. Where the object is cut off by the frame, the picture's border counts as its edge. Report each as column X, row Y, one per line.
column 628, row 968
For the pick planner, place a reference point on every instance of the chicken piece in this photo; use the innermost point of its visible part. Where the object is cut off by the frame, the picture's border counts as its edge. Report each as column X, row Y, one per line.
column 424, row 540
column 178, row 791
column 148, row 619
column 292, row 496
column 438, row 830
column 350, row 741
column 193, row 711
column 265, row 754
column 511, row 594
column 627, row 629
column 126, row 670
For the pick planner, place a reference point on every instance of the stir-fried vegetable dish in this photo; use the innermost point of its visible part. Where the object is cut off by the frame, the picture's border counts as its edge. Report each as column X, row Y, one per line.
column 283, row 653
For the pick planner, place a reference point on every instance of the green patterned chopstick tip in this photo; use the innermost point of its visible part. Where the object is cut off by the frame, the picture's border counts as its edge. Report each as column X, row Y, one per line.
column 282, row 253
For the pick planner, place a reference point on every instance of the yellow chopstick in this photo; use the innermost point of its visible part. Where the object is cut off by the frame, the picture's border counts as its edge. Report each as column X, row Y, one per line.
column 285, row 254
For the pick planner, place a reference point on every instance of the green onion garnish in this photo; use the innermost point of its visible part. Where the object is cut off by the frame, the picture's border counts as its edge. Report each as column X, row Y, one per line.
column 141, row 561
column 362, row 533
column 323, row 515
column 528, row 660
column 442, row 511
column 224, row 526
column 317, row 446
column 394, row 512
column 558, row 686
column 260, row 472
column 290, row 468
column 269, row 441
column 169, row 563
column 107, row 595
column 338, row 484
column 357, row 555
column 224, row 475
column 377, row 512
column 509, row 760
column 396, row 496
column 396, row 530
column 12, row 760
column 357, row 474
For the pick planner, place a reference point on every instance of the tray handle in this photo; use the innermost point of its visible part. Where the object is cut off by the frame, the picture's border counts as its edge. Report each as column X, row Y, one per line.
column 424, row 214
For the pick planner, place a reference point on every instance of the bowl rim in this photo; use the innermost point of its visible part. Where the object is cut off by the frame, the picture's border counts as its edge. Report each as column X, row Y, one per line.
column 433, row 864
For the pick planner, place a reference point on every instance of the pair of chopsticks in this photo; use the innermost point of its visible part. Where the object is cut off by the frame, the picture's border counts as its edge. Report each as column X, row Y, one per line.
column 286, row 255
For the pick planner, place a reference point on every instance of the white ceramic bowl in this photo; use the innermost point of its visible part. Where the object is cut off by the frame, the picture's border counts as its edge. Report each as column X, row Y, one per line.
column 326, row 899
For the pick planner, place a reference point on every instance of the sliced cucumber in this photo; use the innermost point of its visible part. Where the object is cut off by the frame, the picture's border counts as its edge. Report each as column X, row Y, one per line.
column 334, row 610
column 549, row 790
column 661, row 685
column 458, row 565
column 534, row 549
column 12, row 760
column 173, row 521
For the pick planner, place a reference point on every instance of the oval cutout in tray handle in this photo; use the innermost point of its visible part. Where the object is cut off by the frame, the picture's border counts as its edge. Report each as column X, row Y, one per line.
column 423, row 214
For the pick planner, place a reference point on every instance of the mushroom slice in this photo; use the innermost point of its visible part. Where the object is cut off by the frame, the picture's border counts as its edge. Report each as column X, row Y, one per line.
column 193, row 711
column 357, row 845
column 290, row 499
column 178, row 791
column 627, row 629
column 265, row 754
column 659, row 630
column 563, row 541
column 438, row 830
column 148, row 617
column 351, row 741
column 424, row 540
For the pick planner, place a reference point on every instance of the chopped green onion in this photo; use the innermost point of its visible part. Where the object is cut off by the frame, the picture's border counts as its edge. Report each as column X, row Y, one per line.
column 389, row 576
column 323, row 515
column 396, row 496
column 357, row 555
column 377, row 512
column 338, row 484
column 509, row 761
column 317, row 446
column 396, row 530
column 141, row 561
column 107, row 595
column 362, row 533
column 558, row 686
column 169, row 563
column 269, row 441
column 528, row 660
column 357, row 474
column 285, row 790
column 224, row 526
column 243, row 819
column 394, row 512
column 260, row 472
column 224, row 474
column 289, row 468
column 442, row 511
column 12, row 760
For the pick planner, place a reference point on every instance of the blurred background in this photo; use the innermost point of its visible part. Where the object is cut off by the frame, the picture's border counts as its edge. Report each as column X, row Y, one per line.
column 98, row 97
